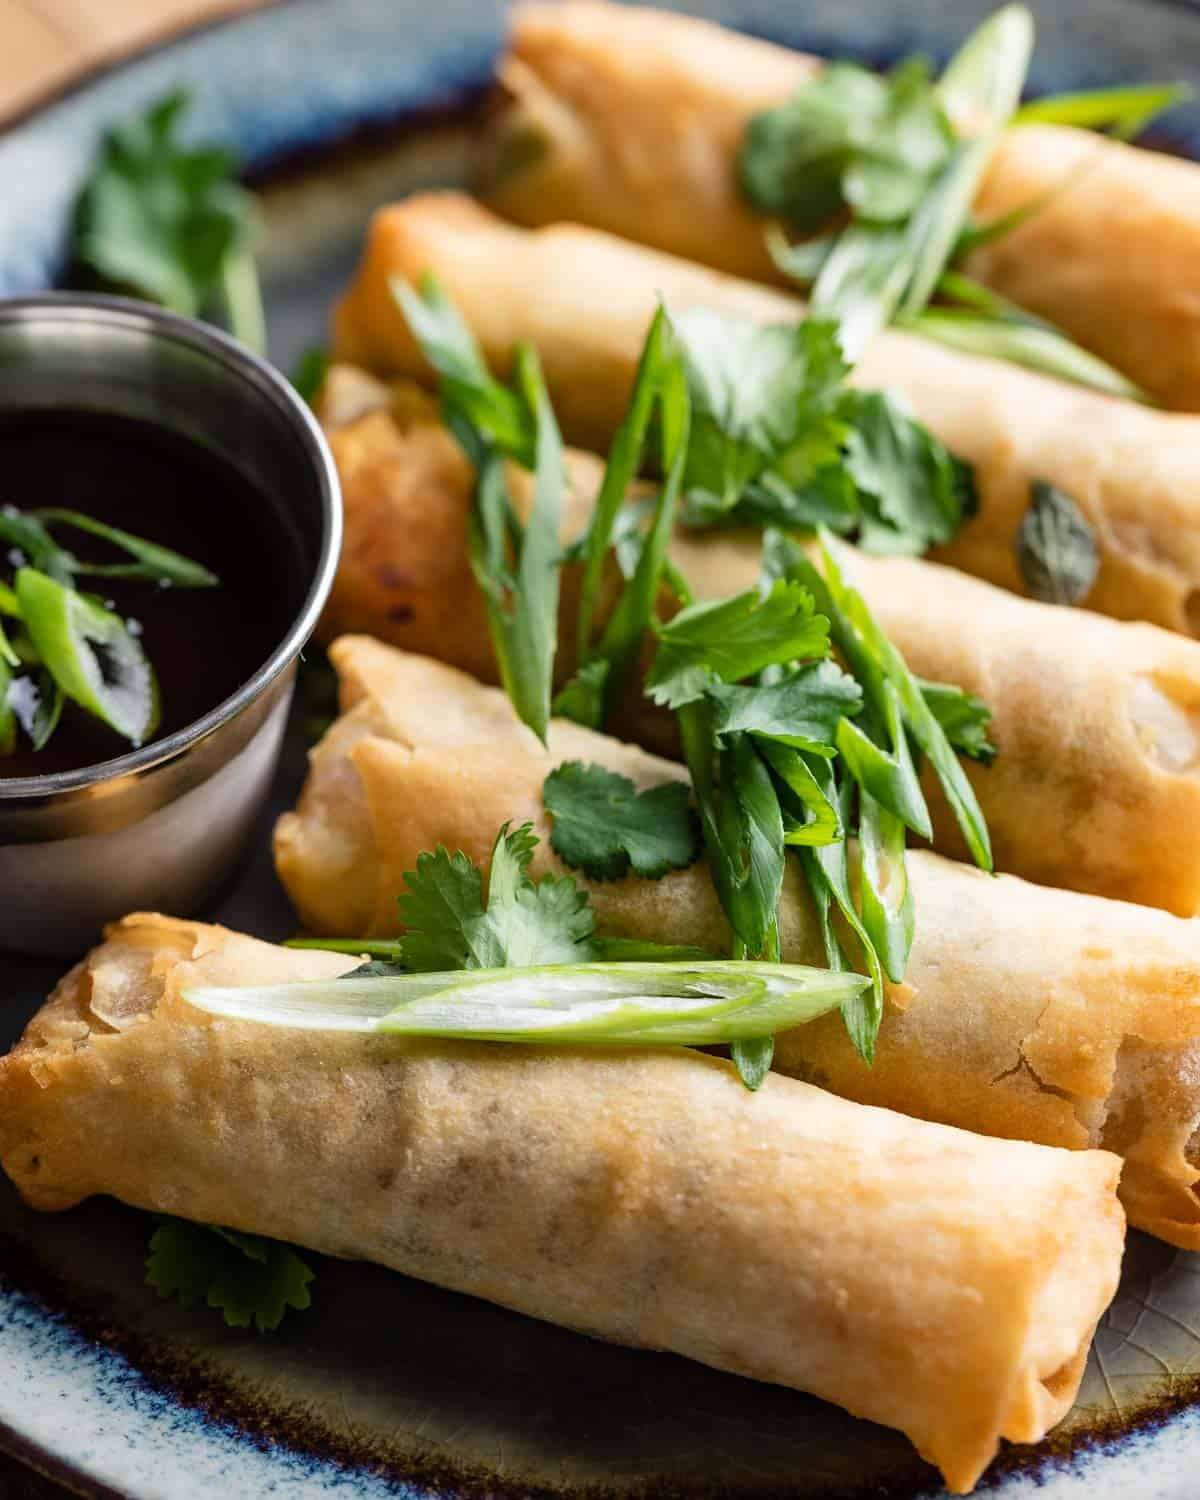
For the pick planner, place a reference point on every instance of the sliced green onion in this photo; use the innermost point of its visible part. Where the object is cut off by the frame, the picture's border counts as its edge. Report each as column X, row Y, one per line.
column 90, row 654
column 8, row 603
column 653, row 1004
column 37, row 702
column 8, row 717
column 7, row 655
column 979, row 90
column 1125, row 110
column 391, row 950
column 242, row 295
column 1032, row 345
column 153, row 561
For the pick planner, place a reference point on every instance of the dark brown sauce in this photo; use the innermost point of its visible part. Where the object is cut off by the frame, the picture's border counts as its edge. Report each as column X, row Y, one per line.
column 203, row 643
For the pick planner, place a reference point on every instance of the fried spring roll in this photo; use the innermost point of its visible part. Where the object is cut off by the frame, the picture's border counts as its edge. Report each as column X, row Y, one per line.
column 1097, row 784
column 631, row 120
column 1026, row 1012
column 577, row 1188
column 585, row 301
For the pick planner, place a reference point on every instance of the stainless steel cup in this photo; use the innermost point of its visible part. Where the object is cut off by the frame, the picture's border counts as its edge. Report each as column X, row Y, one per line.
column 159, row 827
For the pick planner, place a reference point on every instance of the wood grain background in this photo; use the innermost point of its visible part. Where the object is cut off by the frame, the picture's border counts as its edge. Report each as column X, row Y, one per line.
column 45, row 45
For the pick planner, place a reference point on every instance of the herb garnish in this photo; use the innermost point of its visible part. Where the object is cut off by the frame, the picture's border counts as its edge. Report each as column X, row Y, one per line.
column 527, row 968
column 515, row 561
column 900, row 159
column 907, row 171
column 779, row 439
column 786, row 746
column 604, row 826
column 63, row 643
column 169, row 222
column 449, row 926
column 250, row 1280
column 1056, row 547
column 804, row 754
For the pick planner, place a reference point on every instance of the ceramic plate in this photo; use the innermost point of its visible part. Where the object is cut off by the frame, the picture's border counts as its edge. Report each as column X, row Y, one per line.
column 389, row 1387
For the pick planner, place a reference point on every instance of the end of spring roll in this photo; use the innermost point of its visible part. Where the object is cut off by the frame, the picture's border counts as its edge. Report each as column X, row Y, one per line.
column 942, row 1283
column 1025, row 1012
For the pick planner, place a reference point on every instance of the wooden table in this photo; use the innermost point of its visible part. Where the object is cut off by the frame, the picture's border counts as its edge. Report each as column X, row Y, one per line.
column 46, row 45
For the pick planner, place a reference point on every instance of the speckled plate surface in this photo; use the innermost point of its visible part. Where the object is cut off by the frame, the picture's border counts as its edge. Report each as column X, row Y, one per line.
column 388, row 1387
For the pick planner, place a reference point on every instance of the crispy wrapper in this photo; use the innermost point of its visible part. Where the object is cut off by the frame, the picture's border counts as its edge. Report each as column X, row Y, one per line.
column 1026, row 1012
column 943, row 1283
column 585, row 300
column 631, row 120
column 1096, row 786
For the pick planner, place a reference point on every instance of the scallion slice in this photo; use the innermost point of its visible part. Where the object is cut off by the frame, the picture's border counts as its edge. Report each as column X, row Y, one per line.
column 90, row 654
column 635, row 1004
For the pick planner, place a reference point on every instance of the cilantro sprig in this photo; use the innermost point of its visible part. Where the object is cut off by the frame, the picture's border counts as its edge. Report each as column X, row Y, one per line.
column 883, row 171
column 605, row 827
column 911, row 154
column 251, row 1281
column 779, row 439
column 168, row 222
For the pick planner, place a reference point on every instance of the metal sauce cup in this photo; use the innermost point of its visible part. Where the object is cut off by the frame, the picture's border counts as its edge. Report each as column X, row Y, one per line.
column 159, row 827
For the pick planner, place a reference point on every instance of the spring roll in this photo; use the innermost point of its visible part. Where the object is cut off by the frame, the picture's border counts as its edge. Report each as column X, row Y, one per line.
column 577, row 1188
column 1026, row 1012
column 1097, row 783
column 631, row 120
column 585, row 301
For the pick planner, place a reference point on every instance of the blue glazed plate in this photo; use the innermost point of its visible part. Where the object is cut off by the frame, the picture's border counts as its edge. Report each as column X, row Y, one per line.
column 389, row 1387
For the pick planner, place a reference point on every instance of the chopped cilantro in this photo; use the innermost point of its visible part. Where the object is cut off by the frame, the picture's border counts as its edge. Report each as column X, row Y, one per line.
column 448, row 926
column 249, row 1279
column 603, row 825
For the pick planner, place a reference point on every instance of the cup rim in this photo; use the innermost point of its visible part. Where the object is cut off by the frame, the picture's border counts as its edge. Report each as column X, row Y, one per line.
column 100, row 307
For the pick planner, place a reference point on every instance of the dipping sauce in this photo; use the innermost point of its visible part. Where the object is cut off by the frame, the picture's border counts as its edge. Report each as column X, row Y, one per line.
column 203, row 643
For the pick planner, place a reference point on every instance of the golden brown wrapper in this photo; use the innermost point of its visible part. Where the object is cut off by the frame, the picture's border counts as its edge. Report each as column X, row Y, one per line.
column 1026, row 1012
column 630, row 120
column 642, row 1197
column 585, row 300
column 1097, row 783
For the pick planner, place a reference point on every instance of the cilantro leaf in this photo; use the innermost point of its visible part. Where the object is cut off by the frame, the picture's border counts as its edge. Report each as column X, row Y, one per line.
column 848, row 138
column 734, row 638
column 913, row 493
column 1056, row 547
column 440, row 897
column 801, row 709
column 778, row 440
column 762, row 396
column 447, row 926
column 603, row 825
column 168, row 221
column 964, row 719
column 249, row 1279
